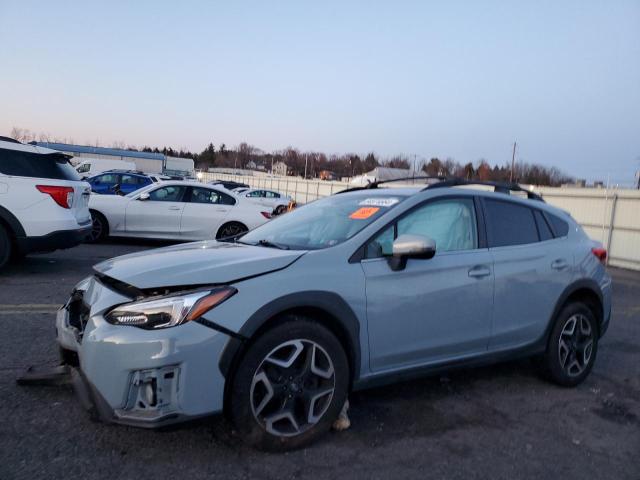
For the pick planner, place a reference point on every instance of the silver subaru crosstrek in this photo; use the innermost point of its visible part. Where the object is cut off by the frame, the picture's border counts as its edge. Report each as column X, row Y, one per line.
column 275, row 328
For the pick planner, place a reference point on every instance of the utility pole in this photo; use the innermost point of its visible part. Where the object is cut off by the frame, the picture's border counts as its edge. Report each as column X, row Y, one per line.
column 306, row 159
column 513, row 161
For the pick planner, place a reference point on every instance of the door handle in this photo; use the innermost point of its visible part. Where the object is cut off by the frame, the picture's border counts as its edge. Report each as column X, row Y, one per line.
column 174, row 208
column 479, row 271
column 559, row 264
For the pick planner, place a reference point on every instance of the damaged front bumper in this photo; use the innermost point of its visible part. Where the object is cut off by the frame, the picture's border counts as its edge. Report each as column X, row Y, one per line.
column 143, row 378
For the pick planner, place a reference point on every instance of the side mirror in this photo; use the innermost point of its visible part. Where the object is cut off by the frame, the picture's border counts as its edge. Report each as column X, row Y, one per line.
column 143, row 196
column 411, row 246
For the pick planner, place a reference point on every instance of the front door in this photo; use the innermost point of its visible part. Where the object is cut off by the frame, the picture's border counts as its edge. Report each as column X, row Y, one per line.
column 433, row 310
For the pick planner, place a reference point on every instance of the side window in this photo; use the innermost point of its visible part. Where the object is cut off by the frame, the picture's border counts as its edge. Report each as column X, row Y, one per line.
column 131, row 180
column 560, row 227
column 509, row 224
column 226, row 199
column 269, row 194
column 205, row 195
column 107, row 178
column 255, row 193
column 451, row 223
column 543, row 226
column 172, row 193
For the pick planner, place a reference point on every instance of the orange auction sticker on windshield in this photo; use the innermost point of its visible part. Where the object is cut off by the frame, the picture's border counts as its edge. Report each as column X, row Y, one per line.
column 363, row 213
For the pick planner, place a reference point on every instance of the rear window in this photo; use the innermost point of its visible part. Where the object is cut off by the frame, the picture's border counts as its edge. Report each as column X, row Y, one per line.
column 26, row 164
column 509, row 224
column 559, row 226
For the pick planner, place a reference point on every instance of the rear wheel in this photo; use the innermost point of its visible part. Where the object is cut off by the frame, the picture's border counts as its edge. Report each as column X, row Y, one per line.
column 290, row 386
column 573, row 345
column 5, row 246
column 231, row 229
column 99, row 227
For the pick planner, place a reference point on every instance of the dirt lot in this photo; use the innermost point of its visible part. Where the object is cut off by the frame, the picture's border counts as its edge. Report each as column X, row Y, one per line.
column 494, row 422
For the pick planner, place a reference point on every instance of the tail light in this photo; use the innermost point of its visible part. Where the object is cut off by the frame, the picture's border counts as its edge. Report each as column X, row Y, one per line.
column 63, row 196
column 601, row 254
column 266, row 214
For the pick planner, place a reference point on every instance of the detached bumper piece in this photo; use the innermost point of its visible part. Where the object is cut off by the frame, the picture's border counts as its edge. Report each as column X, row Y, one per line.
column 46, row 375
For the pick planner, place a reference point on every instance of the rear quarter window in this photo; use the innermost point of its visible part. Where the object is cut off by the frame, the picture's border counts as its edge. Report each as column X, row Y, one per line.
column 559, row 226
column 543, row 227
column 35, row 165
column 509, row 224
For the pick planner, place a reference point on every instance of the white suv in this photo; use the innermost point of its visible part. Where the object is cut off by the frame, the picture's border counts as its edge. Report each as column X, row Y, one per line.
column 43, row 202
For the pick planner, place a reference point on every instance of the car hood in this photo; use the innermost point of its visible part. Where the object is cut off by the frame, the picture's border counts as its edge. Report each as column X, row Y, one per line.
column 197, row 263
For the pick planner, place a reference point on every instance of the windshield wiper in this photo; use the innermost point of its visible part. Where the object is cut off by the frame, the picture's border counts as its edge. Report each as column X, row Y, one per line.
column 267, row 243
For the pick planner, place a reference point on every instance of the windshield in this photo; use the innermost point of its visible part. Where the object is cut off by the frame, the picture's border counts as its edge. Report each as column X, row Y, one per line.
column 323, row 223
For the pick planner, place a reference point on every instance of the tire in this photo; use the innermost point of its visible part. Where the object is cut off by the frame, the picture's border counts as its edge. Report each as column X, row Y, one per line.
column 572, row 346
column 272, row 404
column 6, row 246
column 231, row 229
column 280, row 209
column 99, row 229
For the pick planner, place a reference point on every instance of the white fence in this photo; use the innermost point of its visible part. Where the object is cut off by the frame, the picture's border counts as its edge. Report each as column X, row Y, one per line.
column 609, row 216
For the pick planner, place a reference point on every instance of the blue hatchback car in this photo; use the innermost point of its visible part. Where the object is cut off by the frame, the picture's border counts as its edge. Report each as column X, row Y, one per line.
column 365, row 287
column 128, row 182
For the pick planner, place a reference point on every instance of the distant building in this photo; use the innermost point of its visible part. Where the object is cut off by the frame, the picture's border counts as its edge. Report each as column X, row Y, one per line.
column 280, row 168
column 147, row 162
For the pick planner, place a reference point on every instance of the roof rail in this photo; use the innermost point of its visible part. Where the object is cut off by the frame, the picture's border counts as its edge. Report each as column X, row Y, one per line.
column 501, row 187
column 375, row 184
column 122, row 170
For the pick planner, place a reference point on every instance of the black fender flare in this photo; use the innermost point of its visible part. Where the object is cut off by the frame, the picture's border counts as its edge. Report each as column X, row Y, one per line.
column 13, row 222
column 329, row 302
column 582, row 284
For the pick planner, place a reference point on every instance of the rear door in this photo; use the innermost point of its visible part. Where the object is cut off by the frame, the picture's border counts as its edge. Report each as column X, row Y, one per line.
column 158, row 216
column 204, row 213
column 531, row 271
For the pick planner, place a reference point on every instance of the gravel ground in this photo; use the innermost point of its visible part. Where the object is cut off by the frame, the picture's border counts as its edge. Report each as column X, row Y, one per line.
column 496, row 422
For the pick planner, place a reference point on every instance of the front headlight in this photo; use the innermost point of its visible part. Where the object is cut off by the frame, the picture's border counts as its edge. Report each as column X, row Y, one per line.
column 169, row 311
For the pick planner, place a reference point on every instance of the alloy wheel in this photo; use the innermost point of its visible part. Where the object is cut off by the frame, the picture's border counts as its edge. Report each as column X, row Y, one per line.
column 292, row 388
column 575, row 345
column 231, row 231
column 96, row 228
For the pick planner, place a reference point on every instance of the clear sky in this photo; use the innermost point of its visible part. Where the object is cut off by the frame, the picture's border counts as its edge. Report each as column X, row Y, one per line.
column 442, row 78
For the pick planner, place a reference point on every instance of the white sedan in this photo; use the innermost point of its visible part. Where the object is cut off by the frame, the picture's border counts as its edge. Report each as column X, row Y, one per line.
column 175, row 210
column 269, row 198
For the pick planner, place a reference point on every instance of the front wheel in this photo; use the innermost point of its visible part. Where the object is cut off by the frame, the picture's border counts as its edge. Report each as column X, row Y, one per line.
column 290, row 386
column 573, row 345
